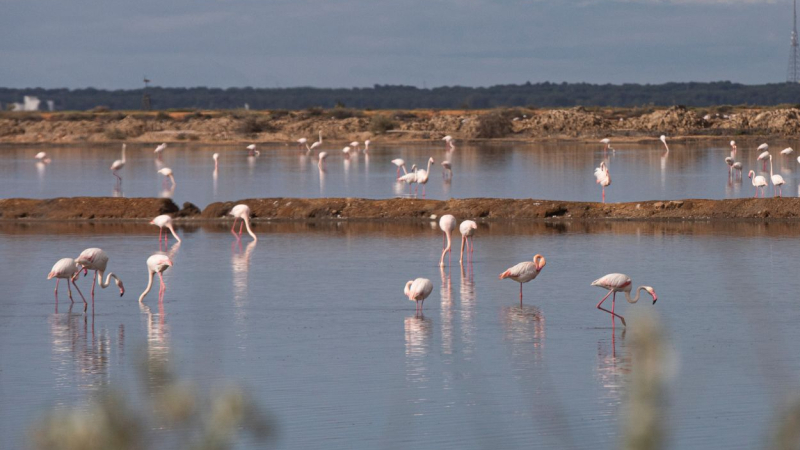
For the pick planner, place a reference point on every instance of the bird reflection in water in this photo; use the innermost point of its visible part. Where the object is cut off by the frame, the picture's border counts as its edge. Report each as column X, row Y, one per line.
column 467, row 309
column 524, row 328
column 167, row 192
column 446, row 292
column 418, row 331
column 612, row 366
column 157, row 343
column 322, row 181
column 116, row 191
column 240, row 264
column 79, row 355
column 215, row 177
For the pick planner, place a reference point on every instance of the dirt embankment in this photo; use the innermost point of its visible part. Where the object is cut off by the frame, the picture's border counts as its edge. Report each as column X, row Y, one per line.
column 400, row 210
column 346, row 125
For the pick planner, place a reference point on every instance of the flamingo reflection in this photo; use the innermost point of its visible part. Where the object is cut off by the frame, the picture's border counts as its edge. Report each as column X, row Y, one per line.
column 158, row 345
column 418, row 331
column 467, row 292
column 611, row 369
column 446, row 292
column 79, row 355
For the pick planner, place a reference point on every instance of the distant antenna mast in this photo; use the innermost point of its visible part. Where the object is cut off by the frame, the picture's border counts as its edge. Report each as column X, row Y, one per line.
column 145, row 95
column 793, row 72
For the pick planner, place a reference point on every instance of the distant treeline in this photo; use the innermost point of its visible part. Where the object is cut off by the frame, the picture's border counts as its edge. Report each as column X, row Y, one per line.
column 409, row 97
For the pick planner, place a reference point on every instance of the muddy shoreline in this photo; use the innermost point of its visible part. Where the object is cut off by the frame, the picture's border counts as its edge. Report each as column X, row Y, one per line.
column 345, row 125
column 108, row 209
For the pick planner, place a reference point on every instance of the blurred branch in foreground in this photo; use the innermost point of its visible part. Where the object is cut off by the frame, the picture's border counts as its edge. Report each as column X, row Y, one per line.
column 175, row 416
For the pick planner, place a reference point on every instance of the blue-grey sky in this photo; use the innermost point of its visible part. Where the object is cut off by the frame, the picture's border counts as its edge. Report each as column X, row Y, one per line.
column 346, row 43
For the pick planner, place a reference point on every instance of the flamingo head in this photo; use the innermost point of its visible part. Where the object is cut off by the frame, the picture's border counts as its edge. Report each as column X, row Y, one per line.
column 663, row 138
column 539, row 261
column 652, row 292
column 750, row 174
column 430, row 160
column 407, row 289
column 120, row 286
column 733, row 143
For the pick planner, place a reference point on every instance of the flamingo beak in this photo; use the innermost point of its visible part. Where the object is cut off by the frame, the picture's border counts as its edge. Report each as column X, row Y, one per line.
column 655, row 298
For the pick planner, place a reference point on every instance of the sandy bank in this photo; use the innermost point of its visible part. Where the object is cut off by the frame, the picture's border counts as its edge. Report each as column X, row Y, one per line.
column 344, row 125
column 399, row 210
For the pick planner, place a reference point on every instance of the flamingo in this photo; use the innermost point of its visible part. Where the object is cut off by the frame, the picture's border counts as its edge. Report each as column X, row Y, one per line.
column 96, row 259
column 449, row 141
column 619, row 282
column 447, row 169
column 42, row 157
column 467, row 229
column 733, row 148
column 160, row 149
column 763, row 156
column 321, row 163
column 118, row 164
column 525, row 272
column 215, row 157
column 603, row 178
column 355, row 145
column 729, row 161
column 663, row 139
column 242, row 211
column 301, row 142
column 607, row 143
column 66, row 268
column 167, row 172
column 422, row 177
column 447, row 223
column 400, row 163
column 251, row 150
column 157, row 263
column 787, row 151
column 777, row 180
column 409, row 178
column 366, row 146
column 346, row 151
column 164, row 221
column 738, row 166
column 312, row 147
column 417, row 291
column 758, row 182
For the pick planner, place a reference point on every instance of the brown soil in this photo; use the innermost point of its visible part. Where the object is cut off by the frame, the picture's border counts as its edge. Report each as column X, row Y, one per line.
column 515, row 124
column 401, row 210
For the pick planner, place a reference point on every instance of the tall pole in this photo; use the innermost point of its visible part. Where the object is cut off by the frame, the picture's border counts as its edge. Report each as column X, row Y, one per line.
column 793, row 71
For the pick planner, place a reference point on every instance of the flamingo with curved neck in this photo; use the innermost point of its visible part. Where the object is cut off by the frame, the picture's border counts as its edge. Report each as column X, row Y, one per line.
column 422, row 177
column 157, row 263
column 242, row 212
column 619, row 282
column 447, row 223
column 525, row 272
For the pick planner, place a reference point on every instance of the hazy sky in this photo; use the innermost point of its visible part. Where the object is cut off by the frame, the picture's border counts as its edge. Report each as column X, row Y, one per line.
column 345, row 43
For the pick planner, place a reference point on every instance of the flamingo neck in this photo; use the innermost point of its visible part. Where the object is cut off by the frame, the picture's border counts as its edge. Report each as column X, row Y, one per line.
column 123, row 155
column 149, row 285
column 104, row 284
column 770, row 167
column 634, row 299
column 172, row 230
column 429, row 165
column 249, row 230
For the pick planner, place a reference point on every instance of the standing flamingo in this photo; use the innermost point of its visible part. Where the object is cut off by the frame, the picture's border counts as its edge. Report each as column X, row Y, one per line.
column 167, row 172
column 157, row 263
column 417, row 291
column 663, row 139
column 96, row 259
column 525, row 272
column 787, row 151
column 251, row 150
column 355, row 145
column 733, row 148
column 366, row 146
column 449, row 141
column 164, row 221
column 422, row 177
column 43, row 158
column 321, row 163
column 619, row 282
column 346, row 151
column 729, row 161
column 312, row 146
column 447, row 223
column 777, row 180
column 399, row 163
column 215, row 157
column 66, row 268
column 118, row 164
column 301, row 142
column 447, row 170
column 160, row 149
column 242, row 212
column 607, row 143
column 467, row 229
column 764, row 155
column 409, row 178
column 603, row 178
column 758, row 182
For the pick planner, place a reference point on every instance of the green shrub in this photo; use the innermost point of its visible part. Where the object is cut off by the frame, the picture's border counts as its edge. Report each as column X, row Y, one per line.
column 115, row 134
column 380, row 124
column 254, row 124
column 493, row 125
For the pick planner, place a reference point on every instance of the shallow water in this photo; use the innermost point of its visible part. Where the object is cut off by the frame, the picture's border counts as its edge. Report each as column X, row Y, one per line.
column 313, row 322
column 559, row 171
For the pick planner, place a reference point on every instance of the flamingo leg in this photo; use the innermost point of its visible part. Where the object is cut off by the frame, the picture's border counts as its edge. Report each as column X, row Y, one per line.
column 241, row 225
column 233, row 228
column 520, row 294
column 56, row 291
column 85, row 304
column 612, row 313
column 69, row 289
column 160, row 230
column 604, row 194
column 463, row 243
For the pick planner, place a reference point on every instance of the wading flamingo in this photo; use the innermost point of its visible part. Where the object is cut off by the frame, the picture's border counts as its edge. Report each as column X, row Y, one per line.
column 215, row 157
column 160, row 149
column 66, row 268
column 355, row 145
column 400, row 163
column 777, row 181
column 422, row 177
column 607, row 143
column 118, row 164
column 167, row 172
column 733, row 148
column 417, row 291
column 467, row 229
column 251, row 150
column 242, row 212
column 447, row 170
column 157, row 263
column 449, row 141
column 42, row 157
column 164, row 221
column 787, row 151
column 301, row 142
column 738, row 166
column 729, row 161
column 366, row 146
column 321, row 163
column 525, row 271
column 603, row 178
column 96, row 259
column 619, row 282
column 763, row 156
column 663, row 139
column 758, row 182
column 312, row 146
column 447, row 223
column 346, row 151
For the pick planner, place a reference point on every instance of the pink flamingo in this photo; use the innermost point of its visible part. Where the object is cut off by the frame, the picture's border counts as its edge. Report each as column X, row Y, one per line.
column 251, row 150
column 467, row 229
column 777, row 181
column 215, row 157
column 447, row 223
column 525, row 272
column 118, row 164
column 66, row 268
column 164, row 221
column 157, row 263
column 399, row 163
column 96, row 259
column 447, row 170
column 417, row 291
column 242, row 212
column 603, row 178
column 619, row 282
column 764, row 155
column 422, row 177
column 449, row 142
column 759, row 182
